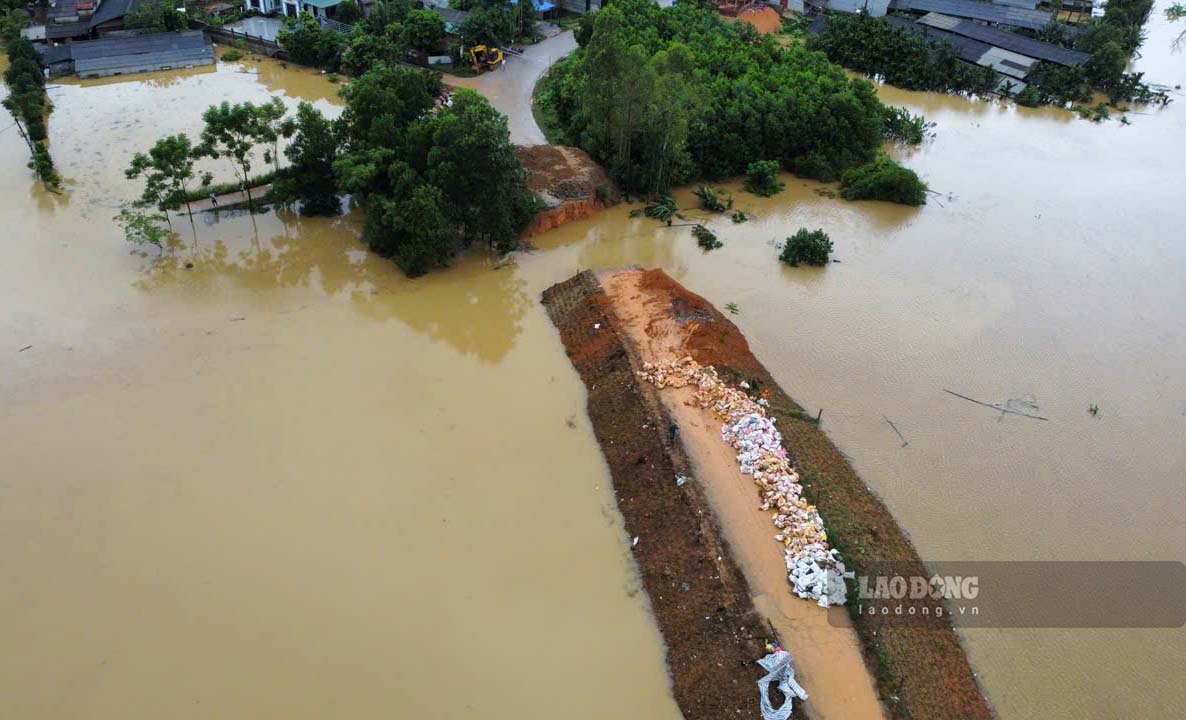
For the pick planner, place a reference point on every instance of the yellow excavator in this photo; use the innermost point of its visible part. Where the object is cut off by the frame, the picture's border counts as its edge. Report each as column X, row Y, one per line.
column 485, row 58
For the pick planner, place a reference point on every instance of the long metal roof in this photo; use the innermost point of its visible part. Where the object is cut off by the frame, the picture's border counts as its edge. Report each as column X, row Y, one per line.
column 137, row 45
column 1007, row 40
column 974, row 51
column 975, row 10
column 125, row 64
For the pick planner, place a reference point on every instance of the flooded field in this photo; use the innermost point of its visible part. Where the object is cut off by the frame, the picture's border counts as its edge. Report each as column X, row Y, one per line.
column 289, row 482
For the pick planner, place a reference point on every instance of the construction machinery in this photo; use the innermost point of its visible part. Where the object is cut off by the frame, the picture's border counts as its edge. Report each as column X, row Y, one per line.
column 485, row 58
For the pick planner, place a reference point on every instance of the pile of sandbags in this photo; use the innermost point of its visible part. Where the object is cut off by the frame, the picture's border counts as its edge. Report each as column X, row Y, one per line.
column 814, row 569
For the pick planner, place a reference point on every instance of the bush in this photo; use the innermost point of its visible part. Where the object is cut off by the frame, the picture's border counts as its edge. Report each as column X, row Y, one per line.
column 807, row 246
column 713, row 200
column 885, row 180
column 231, row 56
column 762, row 178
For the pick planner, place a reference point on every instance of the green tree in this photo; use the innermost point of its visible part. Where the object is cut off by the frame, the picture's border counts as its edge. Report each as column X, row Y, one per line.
column 159, row 16
column 142, row 227
column 348, row 12
column 413, row 230
column 311, row 155
column 307, row 43
column 431, row 182
column 466, row 151
column 233, row 131
column 382, row 102
column 487, row 25
column 28, row 105
column 384, row 13
column 270, row 126
column 762, row 178
column 12, row 21
column 424, row 29
column 167, row 169
column 367, row 50
column 663, row 95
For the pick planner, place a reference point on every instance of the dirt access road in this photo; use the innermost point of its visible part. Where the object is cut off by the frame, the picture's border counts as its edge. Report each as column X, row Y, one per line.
column 509, row 87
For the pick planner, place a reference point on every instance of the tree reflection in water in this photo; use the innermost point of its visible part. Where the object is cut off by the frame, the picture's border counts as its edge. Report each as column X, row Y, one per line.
column 473, row 307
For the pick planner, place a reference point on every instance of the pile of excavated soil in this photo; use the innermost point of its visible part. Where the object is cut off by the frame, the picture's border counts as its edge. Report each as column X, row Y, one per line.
column 561, row 173
column 698, row 595
column 763, row 18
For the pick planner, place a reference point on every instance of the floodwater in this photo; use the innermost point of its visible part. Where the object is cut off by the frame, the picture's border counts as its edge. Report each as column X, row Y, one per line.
column 290, row 482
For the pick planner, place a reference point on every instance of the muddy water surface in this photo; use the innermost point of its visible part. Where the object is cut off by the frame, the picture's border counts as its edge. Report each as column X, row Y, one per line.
column 289, row 482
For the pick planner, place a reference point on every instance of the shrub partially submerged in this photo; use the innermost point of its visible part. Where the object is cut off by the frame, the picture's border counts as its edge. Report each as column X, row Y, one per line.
column 812, row 247
column 900, row 125
column 884, row 179
column 713, row 200
column 706, row 238
column 762, row 178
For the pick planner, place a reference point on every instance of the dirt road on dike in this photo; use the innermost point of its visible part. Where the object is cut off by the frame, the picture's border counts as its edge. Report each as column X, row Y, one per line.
column 827, row 652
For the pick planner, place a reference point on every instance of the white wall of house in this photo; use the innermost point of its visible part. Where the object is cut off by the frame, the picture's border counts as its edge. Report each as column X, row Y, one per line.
column 263, row 6
column 287, row 8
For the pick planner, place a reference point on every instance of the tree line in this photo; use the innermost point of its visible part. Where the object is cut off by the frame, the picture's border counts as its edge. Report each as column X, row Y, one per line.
column 664, row 95
column 393, row 27
column 914, row 61
column 432, row 175
column 28, row 104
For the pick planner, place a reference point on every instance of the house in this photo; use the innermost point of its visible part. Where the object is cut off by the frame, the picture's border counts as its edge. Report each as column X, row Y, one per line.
column 81, row 19
column 69, row 19
column 292, row 8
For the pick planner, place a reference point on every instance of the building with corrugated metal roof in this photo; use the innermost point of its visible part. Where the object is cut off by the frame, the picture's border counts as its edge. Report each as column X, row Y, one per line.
column 127, row 54
column 1009, row 41
column 975, row 10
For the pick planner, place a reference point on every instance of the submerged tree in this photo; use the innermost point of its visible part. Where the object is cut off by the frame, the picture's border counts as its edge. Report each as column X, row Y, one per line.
column 311, row 154
column 167, row 170
column 270, row 126
column 762, row 178
column 432, row 182
column 807, row 246
column 885, row 180
column 142, row 227
column 233, row 131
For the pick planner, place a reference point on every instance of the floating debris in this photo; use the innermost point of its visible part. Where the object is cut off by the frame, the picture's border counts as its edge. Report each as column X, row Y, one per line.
column 815, row 570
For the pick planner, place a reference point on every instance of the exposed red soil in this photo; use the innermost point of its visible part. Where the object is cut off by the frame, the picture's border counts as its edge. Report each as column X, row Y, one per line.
column 567, row 179
column 924, row 668
column 553, row 218
column 698, row 595
column 763, row 18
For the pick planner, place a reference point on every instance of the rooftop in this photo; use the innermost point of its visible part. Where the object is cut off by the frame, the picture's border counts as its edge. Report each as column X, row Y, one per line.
column 975, row 10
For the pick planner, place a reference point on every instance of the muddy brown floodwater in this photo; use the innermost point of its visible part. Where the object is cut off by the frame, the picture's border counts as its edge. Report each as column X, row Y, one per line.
column 289, row 482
